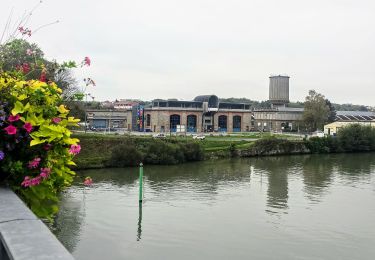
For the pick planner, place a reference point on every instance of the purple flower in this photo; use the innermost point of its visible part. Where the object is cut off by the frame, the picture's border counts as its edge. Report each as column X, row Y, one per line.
column 2, row 155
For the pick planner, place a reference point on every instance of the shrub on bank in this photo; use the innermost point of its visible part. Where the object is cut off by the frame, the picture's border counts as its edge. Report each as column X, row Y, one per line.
column 356, row 138
column 353, row 138
column 160, row 152
column 273, row 146
column 193, row 151
column 326, row 144
column 120, row 151
column 125, row 155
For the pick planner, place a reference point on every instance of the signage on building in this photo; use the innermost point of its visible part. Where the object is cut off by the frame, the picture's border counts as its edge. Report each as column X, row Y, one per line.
column 140, row 118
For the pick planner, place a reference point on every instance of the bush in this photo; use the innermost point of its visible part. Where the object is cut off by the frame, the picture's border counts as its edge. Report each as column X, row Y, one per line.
column 132, row 151
column 355, row 138
column 160, row 152
column 36, row 149
column 273, row 145
column 192, row 151
column 125, row 155
column 318, row 145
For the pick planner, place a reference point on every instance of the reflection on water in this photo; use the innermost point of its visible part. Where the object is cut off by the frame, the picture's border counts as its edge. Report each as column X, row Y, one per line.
column 316, row 206
column 139, row 230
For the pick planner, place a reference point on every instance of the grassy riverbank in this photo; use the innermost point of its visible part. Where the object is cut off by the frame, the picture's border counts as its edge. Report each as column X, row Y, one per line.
column 100, row 151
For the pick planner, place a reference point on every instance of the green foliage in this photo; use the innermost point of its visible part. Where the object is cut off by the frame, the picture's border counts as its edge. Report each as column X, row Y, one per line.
column 332, row 112
column 193, row 151
column 318, row 145
column 272, row 145
column 353, row 138
column 28, row 59
column 316, row 111
column 161, row 152
column 232, row 149
column 37, row 154
column 119, row 151
column 125, row 155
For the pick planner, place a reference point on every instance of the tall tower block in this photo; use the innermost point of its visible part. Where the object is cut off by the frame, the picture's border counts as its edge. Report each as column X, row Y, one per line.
column 279, row 90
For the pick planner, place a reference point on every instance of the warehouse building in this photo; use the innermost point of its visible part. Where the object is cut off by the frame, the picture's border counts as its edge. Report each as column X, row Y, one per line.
column 345, row 118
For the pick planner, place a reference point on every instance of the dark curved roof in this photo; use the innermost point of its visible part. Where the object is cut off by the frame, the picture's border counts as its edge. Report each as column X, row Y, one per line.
column 212, row 100
column 204, row 98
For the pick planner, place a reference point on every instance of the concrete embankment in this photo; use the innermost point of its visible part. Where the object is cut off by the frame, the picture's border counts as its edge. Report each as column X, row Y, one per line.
column 22, row 235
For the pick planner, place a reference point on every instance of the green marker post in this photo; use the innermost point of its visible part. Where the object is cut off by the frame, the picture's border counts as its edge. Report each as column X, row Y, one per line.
column 140, row 182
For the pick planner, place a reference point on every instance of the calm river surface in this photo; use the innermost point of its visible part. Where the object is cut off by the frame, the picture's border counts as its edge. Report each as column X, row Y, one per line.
column 291, row 207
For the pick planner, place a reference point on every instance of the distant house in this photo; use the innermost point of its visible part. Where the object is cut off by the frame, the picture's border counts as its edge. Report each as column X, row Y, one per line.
column 124, row 104
column 345, row 118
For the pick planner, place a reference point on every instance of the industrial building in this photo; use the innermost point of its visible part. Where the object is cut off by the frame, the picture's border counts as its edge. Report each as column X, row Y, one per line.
column 204, row 114
column 345, row 118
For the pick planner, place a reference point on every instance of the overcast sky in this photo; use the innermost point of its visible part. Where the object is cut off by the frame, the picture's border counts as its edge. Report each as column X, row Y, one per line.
column 150, row 49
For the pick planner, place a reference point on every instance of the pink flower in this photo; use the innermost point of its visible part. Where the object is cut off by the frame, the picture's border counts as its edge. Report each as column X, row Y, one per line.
column 24, row 31
column 28, row 127
column 11, row 130
column 25, row 68
column 35, row 181
column 87, row 181
column 87, row 61
column 26, row 182
column 56, row 120
column 34, row 163
column 43, row 76
column 29, row 52
column 75, row 149
column 45, row 172
column 12, row 118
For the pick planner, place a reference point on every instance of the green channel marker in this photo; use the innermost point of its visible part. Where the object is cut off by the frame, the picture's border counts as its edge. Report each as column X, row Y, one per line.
column 140, row 182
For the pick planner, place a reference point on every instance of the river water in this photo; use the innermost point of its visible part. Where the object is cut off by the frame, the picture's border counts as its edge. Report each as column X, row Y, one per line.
column 290, row 207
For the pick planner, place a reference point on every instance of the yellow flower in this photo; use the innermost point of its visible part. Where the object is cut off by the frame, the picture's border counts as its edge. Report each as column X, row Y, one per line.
column 62, row 109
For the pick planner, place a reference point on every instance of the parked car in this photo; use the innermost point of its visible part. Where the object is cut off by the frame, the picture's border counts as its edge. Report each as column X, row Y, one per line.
column 318, row 134
column 159, row 135
column 199, row 137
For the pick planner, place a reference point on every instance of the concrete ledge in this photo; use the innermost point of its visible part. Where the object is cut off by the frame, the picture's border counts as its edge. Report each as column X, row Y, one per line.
column 22, row 235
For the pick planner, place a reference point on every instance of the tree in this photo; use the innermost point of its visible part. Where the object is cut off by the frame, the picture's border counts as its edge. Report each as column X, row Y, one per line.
column 316, row 111
column 28, row 59
column 332, row 111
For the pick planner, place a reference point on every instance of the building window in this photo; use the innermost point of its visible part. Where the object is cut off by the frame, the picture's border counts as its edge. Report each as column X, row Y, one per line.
column 223, row 125
column 148, row 120
column 191, row 123
column 236, row 123
column 174, row 121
